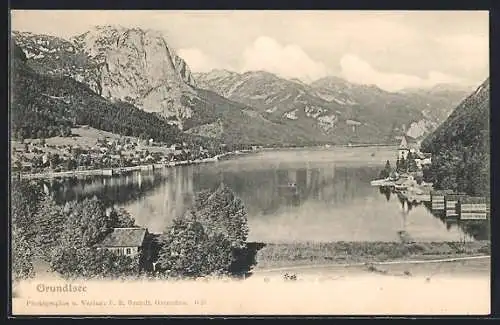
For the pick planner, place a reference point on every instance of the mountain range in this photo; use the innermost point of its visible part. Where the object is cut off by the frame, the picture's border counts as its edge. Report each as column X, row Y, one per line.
column 137, row 68
column 343, row 110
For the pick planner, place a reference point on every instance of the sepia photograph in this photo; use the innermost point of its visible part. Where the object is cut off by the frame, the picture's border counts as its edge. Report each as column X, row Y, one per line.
column 237, row 162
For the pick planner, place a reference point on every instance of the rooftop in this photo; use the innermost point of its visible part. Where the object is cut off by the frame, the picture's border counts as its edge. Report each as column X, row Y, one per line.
column 403, row 144
column 124, row 237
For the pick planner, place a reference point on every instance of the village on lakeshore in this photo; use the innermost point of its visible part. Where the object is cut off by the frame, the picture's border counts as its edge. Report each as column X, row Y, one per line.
column 108, row 155
column 407, row 181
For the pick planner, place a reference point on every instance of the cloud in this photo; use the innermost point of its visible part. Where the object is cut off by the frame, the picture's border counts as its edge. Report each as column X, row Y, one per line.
column 467, row 51
column 198, row 61
column 359, row 71
column 288, row 61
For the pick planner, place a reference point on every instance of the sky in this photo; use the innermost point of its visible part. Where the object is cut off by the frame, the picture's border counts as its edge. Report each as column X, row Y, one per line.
column 391, row 49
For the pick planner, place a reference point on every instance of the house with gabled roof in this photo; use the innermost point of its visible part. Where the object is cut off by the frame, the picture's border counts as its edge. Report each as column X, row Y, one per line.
column 126, row 241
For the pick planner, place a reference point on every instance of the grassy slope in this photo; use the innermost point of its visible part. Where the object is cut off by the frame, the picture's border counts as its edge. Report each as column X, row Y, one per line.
column 83, row 137
column 279, row 255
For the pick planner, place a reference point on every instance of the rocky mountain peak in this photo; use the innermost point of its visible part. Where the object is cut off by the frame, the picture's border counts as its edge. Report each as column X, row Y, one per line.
column 134, row 46
column 138, row 66
column 127, row 64
column 329, row 81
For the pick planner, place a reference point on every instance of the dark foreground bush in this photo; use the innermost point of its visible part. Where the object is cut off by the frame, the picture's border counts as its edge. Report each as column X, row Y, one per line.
column 209, row 240
column 189, row 251
column 87, row 263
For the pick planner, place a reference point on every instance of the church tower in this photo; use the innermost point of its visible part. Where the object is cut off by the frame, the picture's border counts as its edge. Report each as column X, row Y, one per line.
column 403, row 149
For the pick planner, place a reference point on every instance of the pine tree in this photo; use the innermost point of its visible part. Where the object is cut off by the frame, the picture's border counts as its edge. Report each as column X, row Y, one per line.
column 25, row 198
column 388, row 167
column 386, row 172
column 22, row 255
column 224, row 213
column 412, row 165
column 47, row 226
column 74, row 254
column 208, row 240
column 189, row 251
column 86, row 223
column 121, row 218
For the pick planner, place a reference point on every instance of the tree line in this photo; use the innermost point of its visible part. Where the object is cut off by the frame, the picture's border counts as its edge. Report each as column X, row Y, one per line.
column 64, row 236
column 210, row 239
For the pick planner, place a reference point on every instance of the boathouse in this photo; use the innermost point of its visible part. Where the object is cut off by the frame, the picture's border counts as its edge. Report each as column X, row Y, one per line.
column 451, row 204
column 473, row 208
column 437, row 200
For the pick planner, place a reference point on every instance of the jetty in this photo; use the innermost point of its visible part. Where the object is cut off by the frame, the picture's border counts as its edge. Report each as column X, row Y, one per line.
column 473, row 208
column 451, row 204
column 382, row 182
column 460, row 206
column 437, row 200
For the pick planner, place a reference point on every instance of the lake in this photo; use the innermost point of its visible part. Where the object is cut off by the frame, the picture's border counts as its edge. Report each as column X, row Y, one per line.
column 291, row 195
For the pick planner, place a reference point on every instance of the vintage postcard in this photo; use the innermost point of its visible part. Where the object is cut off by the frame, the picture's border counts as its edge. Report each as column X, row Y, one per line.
column 249, row 163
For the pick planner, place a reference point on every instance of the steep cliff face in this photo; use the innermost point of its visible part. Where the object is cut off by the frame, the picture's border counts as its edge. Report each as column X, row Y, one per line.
column 132, row 65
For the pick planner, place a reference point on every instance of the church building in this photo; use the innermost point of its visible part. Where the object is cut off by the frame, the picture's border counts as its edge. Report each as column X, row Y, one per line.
column 403, row 149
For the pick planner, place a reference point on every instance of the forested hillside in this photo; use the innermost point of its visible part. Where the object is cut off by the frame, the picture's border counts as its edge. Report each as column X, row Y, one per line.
column 46, row 106
column 460, row 147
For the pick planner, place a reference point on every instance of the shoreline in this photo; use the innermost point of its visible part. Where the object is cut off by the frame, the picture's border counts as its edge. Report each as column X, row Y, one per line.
column 272, row 256
column 120, row 170
column 147, row 167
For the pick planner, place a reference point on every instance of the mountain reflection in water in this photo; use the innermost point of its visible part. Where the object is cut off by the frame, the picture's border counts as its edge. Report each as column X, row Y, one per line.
column 296, row 195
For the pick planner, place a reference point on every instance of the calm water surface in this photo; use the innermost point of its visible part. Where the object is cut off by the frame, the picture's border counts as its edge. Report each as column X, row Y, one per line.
column 290, row 195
